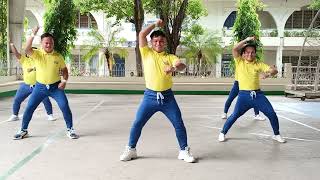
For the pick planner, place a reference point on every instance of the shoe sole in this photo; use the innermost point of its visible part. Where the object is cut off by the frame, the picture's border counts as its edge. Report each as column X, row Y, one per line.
column 73, row 137
column 188, row 161
column 279, row 141
column 124, row 160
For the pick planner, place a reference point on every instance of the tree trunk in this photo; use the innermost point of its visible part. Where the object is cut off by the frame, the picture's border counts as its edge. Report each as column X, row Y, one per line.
column 173, row 38
column 138, row 22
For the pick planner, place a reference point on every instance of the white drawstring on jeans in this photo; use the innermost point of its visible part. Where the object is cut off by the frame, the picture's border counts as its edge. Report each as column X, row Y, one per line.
column 253, row 94
column 160, row 96
column 31, row 86
column 48, row 86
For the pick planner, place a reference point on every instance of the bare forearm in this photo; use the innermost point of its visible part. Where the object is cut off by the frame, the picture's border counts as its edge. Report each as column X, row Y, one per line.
column 273, row 71
column 236, row 49
column 29, row 50
column 65, row 74
column 180, row 66
column 144, row 32
column 15, row 51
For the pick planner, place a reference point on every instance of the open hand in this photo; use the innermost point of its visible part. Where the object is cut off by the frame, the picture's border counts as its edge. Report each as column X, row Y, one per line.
column 35, row 30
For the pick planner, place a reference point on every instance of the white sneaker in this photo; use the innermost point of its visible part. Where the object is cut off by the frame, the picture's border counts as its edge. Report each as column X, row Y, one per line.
column 186, row 155
column 129, row 154
column 14, row 118
column 51, row 118
column 278, row 138
column 224, row 116
column 71, row 133
column 259, row 118
column 221, row 137
column 20, row 135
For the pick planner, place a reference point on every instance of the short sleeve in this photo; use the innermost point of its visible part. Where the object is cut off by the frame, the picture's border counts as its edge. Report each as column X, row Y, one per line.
column 36, row 55
column 144, row 51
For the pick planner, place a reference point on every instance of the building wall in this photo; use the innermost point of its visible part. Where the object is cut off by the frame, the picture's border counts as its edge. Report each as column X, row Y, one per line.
column 274, row 16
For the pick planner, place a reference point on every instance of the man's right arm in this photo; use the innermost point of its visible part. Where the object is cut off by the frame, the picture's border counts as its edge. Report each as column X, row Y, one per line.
column 144, row 32
column 236, row 49
column 29, row 50
column 15, row 51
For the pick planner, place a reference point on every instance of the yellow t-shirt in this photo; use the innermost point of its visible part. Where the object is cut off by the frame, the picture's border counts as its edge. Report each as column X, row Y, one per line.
column 29, row 73
column 248, row 73
column 154, row 64
column 48, row 66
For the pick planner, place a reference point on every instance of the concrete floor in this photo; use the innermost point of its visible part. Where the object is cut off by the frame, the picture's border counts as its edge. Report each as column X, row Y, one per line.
column 103, row 122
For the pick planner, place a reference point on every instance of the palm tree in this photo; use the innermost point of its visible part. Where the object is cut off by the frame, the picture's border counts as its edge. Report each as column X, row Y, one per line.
column 202, row 49
column 106, row 45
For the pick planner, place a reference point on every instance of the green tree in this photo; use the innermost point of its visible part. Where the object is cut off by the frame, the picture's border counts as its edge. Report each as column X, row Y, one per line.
column 3, row 32
column 202, row 49
column 107, row 45
column 174, row 13
column 247, row 23
column 315, row 4
column 121, row 10
column 59, row 20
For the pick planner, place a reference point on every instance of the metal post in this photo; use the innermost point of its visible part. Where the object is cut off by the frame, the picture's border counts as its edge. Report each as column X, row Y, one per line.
column 316, row 82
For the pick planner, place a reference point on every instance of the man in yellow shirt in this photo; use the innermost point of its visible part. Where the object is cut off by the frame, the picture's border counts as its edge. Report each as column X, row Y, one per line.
column 26, row 87
column 48, row 64
column 158, row 96
column 250, row 95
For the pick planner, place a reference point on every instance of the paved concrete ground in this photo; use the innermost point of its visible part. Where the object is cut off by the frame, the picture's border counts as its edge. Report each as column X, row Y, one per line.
column 103, row 122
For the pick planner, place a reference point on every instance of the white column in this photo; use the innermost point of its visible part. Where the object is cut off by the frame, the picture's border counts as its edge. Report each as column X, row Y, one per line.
column 218, row 66
column 130, row 63
column 279, row 58
column 103, row 71
column 16, row 18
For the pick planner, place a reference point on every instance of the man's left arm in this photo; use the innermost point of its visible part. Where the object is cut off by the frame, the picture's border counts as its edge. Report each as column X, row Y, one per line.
column 177, row 66
column 65, row 73
column 65, row 76
column 269, row 71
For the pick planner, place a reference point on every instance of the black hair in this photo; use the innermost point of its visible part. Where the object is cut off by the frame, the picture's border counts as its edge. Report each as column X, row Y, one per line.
column 157, row 33
column 44, row 35
column 248, row 45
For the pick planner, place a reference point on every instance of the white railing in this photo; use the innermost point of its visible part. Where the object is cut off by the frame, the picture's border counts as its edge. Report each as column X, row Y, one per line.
column 308, row 77
column 121, row 70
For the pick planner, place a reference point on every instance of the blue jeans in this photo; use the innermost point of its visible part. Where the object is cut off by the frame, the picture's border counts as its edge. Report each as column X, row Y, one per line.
column 233, row 94
column 152, row 103
column 248, row 100
column 40, row 92
column 22, row 93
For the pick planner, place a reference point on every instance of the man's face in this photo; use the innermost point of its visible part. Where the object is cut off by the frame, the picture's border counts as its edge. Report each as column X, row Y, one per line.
column 249, row 54
column 158, row 43
column 47, row 44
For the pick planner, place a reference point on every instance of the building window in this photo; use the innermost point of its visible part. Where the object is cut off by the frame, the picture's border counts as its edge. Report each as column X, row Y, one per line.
column 86, row 20
column 302, row 20
column 226, row 70
column 305, row 60
column 230, row 20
